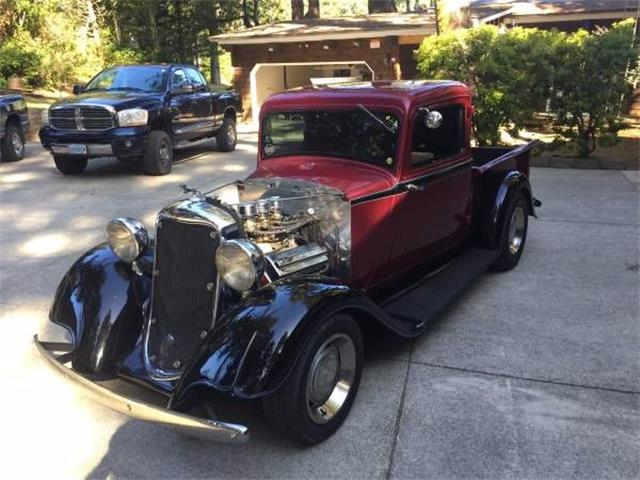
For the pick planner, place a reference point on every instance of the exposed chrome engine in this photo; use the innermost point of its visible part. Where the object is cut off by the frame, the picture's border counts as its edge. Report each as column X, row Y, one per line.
column 299, row 226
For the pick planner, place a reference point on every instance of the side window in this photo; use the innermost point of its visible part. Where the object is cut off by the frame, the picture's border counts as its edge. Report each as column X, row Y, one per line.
column 430, row 145
column 178, row 79
column 196, row 78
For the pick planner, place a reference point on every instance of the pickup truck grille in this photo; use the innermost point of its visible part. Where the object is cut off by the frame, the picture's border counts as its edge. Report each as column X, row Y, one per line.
column 81, row 118
column 183, row 292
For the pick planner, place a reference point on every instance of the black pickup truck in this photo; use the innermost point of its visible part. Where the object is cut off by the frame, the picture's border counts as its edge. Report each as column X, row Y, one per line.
column 14, row 122
column 138, row 113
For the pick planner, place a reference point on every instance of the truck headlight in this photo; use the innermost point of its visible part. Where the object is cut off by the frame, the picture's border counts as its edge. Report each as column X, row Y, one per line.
column 44, row 117
column 128, row 238
column 133, row 117
column 240, row 264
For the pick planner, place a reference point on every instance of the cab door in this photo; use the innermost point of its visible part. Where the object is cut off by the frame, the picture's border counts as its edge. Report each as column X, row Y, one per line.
column 183, row 105
column 433, row 208
column 202, row 99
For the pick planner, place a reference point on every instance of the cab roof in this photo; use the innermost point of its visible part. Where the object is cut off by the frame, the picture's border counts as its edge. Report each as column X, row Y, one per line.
column 398, row 93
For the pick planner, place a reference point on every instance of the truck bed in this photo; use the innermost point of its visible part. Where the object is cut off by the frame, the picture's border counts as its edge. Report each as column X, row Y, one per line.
column 503, row 158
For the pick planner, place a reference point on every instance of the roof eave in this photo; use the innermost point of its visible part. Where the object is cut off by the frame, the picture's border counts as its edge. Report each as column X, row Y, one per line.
column 224, row 40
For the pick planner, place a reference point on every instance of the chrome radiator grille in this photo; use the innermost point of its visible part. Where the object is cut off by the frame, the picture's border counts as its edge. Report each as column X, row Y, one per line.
column 91, row 118
column 184, row 289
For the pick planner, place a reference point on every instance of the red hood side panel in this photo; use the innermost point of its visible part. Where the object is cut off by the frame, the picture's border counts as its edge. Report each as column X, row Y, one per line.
column 355, row 179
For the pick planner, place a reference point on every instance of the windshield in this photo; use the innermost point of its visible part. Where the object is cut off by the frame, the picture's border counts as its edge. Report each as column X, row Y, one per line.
column 141, row 78
column 362, row 134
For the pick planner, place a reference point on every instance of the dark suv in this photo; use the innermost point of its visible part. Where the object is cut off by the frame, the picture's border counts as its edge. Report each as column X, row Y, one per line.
column 138, row 113
column 14, row 122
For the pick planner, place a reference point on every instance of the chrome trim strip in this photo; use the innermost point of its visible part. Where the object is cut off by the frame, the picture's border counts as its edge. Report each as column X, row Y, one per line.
column 205, row 429
column 92, row 148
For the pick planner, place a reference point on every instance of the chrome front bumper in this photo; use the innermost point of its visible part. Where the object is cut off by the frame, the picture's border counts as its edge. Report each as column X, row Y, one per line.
column 210, row 430
column 93, row 149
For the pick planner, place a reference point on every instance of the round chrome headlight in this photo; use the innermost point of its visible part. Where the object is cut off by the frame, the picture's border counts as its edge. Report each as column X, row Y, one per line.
column 128, row 238
column 240, row 264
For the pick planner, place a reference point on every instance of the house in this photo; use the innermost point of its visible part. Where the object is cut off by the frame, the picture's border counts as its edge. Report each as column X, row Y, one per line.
column 271, row 58
column 566, row 15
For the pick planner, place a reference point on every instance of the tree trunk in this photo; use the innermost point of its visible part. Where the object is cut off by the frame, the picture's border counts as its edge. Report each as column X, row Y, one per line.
column 155, row 38
column 246, row 18
column 382, row 6
column 215, row 64
column 297, row 9
column 256, row 13
column 314, row 9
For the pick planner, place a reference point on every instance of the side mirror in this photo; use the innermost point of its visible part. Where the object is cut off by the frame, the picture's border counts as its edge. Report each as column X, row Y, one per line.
column 78, row 88
column 433, row 119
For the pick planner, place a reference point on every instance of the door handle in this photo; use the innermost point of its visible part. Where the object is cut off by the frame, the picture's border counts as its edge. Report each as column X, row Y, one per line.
column 412, row 187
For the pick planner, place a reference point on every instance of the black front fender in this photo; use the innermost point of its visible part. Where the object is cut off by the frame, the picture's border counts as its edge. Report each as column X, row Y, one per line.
column 255, row 345
column 100, row 302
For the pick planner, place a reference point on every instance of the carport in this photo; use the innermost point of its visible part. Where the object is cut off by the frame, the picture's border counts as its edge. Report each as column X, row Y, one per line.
column 269, row 78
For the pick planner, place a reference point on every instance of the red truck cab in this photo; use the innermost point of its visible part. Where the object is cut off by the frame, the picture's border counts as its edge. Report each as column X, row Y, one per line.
column 420, row 204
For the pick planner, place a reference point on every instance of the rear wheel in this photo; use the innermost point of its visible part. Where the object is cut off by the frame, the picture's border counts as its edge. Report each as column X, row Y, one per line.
column 70, row 165
column 514, row 233
column 12, row 144
column 318, row 394
column 158, row 155
column 226, row 137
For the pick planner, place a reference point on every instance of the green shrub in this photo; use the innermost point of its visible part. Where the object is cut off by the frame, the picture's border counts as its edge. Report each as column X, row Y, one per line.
column 595, row 74
column 19, row 57
column 516, row 72
column 509, row 71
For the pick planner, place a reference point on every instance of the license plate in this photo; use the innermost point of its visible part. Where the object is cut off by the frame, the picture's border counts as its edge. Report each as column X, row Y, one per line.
column 77, row 149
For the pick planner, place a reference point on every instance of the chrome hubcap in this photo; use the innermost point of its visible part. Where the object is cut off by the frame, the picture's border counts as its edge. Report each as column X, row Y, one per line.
column 516, row 229
column 16, row 143
column 231, row 134
column 330, row 378
column 164, row 153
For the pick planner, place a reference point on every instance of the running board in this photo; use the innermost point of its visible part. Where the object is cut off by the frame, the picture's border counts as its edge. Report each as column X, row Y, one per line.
column 419, row 305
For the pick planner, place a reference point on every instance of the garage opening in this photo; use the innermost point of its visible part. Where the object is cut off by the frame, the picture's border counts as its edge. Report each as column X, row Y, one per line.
column 269, row 78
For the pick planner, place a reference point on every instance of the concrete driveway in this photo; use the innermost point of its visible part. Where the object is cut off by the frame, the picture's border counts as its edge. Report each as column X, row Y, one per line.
column 533, row 373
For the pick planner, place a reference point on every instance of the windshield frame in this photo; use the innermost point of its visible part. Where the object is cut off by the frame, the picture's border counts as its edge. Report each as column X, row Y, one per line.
column 376, row 109
column 161, row 88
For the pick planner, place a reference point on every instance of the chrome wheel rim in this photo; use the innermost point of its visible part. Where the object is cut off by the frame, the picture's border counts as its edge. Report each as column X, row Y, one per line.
column 516, row 229
column 17, row 144
column 163, row 151
column 330, row 378
column 231, row 134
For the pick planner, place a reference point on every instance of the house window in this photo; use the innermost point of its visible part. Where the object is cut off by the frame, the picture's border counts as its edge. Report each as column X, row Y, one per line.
column 429, row 145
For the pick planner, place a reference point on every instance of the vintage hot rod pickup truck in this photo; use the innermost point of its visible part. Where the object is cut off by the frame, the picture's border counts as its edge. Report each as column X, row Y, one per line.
column 368, row 208
column 138, row 113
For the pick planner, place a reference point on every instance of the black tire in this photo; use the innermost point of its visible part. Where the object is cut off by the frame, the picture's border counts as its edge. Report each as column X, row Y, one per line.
column 70, row 165
column 289, row 409
column 514, row 233
column 12, row 144
column 226, row 137
column 157, row 158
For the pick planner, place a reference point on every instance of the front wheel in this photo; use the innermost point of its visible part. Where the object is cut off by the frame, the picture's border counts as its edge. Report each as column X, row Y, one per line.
column 70, row 165
column 514, row 234
column 318, row 394
column 12, row 144
column 226, row 137
column 158, row 155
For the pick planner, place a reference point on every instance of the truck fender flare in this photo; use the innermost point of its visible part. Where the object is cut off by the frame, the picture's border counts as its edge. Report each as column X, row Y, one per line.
column 100, row 303
column 512, row 183
column 255, row 347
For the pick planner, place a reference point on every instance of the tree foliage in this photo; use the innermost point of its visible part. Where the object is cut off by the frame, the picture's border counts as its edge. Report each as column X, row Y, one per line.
column 516, row 72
